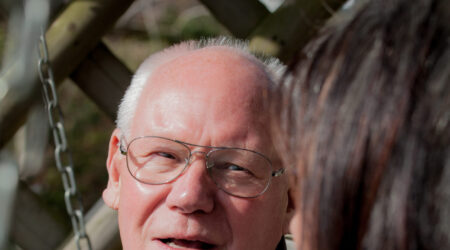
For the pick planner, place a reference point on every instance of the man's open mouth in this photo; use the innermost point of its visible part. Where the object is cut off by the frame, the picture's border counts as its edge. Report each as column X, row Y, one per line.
column 193, row 244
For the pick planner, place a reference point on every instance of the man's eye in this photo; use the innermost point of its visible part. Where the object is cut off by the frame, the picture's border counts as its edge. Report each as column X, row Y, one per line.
column 235, row 168
column 166, row 155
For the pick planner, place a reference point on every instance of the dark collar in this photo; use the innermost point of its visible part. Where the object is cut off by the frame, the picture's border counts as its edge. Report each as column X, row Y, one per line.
column 281, row 244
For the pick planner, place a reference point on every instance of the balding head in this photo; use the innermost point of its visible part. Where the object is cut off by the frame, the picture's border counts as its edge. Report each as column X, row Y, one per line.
column 216, row 80
column 270, row 68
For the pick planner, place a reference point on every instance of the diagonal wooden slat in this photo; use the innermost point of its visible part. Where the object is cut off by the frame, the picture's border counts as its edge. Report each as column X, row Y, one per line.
column 70, row 38
column 35, row 226
column 299, row 21
column 290, row 27
column 103, row 78
column 102, row 227
column 241, row 17
column 78, row 30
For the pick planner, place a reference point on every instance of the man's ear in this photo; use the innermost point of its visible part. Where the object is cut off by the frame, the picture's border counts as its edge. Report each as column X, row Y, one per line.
column 111, row 194
column 290, row 211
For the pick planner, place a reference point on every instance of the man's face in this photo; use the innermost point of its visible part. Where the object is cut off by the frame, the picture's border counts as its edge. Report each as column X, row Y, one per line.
column 210, row 97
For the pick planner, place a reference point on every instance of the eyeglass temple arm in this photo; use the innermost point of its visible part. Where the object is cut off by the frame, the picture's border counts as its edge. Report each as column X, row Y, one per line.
column 278, row 172
column 121, row 148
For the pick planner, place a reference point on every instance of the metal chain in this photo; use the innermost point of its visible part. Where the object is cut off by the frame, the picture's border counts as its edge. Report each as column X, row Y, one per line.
column 63, row 157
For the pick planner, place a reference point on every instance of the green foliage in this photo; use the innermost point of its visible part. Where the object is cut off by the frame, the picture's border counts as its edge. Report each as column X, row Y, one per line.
column 199, row 27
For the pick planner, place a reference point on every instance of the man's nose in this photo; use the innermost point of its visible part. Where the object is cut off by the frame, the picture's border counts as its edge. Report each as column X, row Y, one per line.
column 193, row 191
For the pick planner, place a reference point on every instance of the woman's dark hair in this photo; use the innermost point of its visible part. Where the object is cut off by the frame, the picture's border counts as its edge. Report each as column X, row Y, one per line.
column 365, row 121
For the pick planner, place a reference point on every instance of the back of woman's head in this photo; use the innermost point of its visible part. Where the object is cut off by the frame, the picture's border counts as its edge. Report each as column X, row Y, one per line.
column 366, row 123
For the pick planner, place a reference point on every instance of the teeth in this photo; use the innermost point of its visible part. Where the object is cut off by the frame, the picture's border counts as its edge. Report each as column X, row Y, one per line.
column 172, row 244
column 186, row 244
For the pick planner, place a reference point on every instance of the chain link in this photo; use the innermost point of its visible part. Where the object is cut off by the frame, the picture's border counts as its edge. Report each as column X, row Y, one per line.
column 63, row 158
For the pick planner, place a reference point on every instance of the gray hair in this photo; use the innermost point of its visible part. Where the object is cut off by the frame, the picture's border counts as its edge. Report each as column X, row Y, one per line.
column 270, row 65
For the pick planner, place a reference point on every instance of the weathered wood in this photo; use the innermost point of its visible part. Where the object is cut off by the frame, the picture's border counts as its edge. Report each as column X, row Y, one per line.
column 289, row 28
column 70, row 38
column 34, row 225
column 18, row 67
column 14, row 107
column 78, row 30
column 103, row 78
column 8, row 183
column 31, row 141
column 102, row 71
column 239, row 16
column 102, row 228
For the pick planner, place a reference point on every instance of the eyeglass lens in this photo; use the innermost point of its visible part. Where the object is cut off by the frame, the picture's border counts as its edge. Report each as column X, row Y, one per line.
column 239, row 172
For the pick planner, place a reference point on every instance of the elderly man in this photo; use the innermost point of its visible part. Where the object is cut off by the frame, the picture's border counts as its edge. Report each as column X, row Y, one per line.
column 190, row 164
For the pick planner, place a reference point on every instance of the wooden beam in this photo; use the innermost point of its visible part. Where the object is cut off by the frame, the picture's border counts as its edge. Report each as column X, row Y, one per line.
column 239, row 16
column 36, row 226
column 70, row 38
column 103, row 78
column 78, row 30
column 14, row 106
column 289, row 28
column 102, row 227
column 9, row 177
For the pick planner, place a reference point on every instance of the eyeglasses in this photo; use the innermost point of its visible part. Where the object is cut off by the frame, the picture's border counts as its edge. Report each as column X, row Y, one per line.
column 239, row 172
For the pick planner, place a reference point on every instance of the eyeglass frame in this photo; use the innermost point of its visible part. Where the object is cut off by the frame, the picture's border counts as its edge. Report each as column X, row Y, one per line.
column 274, row 173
